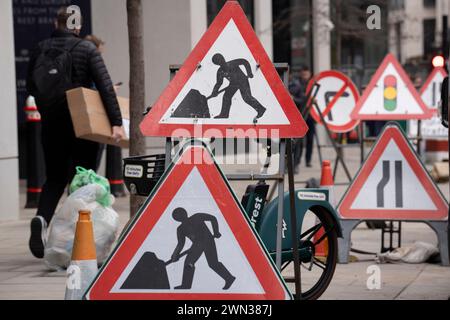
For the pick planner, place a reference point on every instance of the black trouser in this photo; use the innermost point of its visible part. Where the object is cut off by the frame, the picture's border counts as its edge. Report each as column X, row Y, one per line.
column 308, row 140
column 246, row 93
column 62, row 153
column 208, row 247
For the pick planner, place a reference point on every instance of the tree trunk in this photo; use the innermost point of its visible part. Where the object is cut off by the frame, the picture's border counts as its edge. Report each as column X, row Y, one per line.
column 137, row 86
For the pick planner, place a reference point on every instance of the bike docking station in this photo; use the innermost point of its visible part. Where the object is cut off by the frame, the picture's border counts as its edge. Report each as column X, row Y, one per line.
column 237, row 249
column 392, row 184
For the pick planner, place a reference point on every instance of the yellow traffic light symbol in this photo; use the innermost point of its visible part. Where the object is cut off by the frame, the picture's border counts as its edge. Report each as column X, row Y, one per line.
column 390, row 93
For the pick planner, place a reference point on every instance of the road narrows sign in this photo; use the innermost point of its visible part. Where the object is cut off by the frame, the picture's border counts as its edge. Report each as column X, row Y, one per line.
column 336, row 99
column 431, row 90
column 393, row 184
column 390, row 95
column 191, row 240
column 226, row 86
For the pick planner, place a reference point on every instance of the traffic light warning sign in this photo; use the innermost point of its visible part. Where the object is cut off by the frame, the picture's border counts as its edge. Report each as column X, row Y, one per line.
column 390, row 95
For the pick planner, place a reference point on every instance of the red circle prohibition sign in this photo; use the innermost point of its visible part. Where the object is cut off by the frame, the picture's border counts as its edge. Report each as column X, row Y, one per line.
column 331, row 103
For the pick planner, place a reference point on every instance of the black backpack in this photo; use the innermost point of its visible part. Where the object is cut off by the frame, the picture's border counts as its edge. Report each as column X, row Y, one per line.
column 52, row 73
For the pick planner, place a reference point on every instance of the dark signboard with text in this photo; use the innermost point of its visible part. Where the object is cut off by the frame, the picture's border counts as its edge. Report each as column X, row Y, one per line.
column 34, row 21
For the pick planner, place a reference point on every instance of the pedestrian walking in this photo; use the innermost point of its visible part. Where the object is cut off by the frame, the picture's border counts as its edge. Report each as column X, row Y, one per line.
column 60, row 63
column 297, row 88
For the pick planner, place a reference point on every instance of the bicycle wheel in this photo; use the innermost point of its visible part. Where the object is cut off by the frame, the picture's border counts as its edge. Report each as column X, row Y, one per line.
column 319, row 235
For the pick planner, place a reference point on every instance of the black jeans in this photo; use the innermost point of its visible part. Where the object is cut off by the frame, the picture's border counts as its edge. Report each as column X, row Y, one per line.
column 62, row 153
column 308, row 140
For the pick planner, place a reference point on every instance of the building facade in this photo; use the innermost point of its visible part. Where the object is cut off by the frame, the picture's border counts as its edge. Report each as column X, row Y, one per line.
column 316, row 33
column 417, row 28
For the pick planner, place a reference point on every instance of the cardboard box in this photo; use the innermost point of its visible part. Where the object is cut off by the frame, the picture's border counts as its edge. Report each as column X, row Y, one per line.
column 89, row 117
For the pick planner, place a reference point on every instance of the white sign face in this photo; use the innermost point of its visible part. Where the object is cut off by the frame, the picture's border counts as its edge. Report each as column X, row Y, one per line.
column 190, row 241
column 405, row 104
column 401, row 190
column 246, row 90
column 431, row 95
column 224, row 250
column 390, row 95
column 336, row 99
column 431, row 91
column 392, row 184
column 227, row 87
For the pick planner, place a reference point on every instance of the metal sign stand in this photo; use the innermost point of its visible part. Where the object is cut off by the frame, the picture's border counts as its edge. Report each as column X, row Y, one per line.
column 337, row 147
column 279, row 178
column 389, row 230
column 439, row 227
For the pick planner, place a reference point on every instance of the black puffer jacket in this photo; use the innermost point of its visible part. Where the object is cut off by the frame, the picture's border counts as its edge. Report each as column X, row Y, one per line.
column 88, row 69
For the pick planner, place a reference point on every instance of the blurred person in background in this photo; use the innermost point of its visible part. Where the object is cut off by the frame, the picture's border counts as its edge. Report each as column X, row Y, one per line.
column 60, row 63
column 297, row 89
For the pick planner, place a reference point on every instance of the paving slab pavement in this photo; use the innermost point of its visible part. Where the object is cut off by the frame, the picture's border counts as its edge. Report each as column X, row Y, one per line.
column 24, row 277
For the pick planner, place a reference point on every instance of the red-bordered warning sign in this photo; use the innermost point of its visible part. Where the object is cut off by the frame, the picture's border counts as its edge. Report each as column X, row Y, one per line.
column 390, row 95
column 431, row 89
column 393, row 184
column 336, row 98
column 227, row 87
column 191, row 240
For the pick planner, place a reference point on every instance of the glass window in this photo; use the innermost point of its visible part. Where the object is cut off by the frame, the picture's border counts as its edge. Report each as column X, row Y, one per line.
column 429, row 3
column 214, row 6
column 429, row 27
column 292, row 32
column 397, row 4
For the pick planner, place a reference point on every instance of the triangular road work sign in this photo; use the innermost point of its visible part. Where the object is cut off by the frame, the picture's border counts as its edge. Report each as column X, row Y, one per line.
column 431, row 90
column 190, row 240
column 227, row 88
column 390, row 95
column 393, row 184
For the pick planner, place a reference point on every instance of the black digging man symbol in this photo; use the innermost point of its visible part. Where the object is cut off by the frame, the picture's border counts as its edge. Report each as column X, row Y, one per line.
column 151, row 273
column 195, row 105
column 203, row 242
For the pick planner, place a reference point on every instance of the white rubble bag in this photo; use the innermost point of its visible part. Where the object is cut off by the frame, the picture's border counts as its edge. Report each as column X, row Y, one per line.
column 58, row 250
column 419, row 252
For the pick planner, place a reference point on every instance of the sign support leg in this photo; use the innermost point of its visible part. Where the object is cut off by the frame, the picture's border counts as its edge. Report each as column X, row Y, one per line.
column 344, row 243
column 294, row 233
column 340, row 154
column 333, row 143
column 281, row 168
column 319, row 148
column 440, row 227
column 361, row 139
column 419, row 136
column 168, row 151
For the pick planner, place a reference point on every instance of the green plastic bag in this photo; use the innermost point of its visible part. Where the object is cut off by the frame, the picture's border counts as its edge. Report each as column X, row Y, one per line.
column 83, row 177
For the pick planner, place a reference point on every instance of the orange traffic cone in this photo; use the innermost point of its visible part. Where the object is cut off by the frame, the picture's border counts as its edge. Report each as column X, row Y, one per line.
column 83, row 266
column 326, row 181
